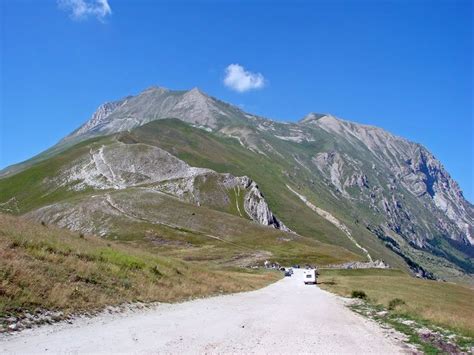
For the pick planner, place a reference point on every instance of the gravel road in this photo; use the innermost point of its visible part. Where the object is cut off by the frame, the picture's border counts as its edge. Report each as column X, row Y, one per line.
column 285, row 317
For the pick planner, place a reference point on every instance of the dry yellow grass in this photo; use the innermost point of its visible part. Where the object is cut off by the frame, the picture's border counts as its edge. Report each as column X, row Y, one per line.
column 47, row 267
column 446, row 304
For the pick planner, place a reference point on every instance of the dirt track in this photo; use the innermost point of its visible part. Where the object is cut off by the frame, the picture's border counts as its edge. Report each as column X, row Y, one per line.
column 286, row 317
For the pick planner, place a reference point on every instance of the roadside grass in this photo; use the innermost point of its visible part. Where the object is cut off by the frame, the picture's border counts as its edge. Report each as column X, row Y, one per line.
column 426, row 336
column 44, row 267
column 439, row 303
column 423, row 336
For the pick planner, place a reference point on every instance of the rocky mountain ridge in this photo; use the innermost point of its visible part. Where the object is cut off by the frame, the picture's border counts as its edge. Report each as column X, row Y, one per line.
column 191, row 106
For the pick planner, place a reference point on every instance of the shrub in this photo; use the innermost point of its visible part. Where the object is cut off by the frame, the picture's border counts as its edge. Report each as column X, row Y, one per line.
column 395, row 303
column 14, row 244
column 359, row 294
column 156, row 271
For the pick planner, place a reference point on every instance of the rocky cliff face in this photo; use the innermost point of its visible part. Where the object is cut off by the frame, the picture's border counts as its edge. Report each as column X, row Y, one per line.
column 426, row 176
column 402, row 164
column 257, row 208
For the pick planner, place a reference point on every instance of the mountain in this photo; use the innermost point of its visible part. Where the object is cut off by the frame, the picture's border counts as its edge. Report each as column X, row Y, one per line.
column 325, row 190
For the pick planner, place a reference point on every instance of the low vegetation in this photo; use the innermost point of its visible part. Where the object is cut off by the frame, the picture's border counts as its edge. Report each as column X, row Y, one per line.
column 439, row 303
column 393, row 304
column 358, row 294
column 43, row 267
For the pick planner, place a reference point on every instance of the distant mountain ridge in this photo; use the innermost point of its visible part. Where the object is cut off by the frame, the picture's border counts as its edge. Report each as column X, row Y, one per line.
column 389, row 196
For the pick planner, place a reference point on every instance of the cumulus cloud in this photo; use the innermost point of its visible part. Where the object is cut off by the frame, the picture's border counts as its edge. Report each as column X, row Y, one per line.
column 241, row 80
column 82, row 9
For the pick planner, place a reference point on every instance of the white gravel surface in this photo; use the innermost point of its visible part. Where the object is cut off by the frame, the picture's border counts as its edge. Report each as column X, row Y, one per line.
column 286, row 317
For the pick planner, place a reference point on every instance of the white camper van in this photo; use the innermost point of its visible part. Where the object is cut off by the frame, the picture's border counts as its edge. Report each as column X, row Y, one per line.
column 310, row 276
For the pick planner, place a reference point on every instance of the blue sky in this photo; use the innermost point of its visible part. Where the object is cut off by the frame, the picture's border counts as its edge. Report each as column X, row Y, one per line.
column 402, row 65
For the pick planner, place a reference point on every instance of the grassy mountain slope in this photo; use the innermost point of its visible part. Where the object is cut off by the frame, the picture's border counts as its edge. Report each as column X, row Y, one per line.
column 47, row 267
column 159, row 220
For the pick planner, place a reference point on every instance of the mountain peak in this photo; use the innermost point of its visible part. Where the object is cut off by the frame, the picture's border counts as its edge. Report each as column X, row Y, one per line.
column 192, row 106
column 155, row 88
column 195, row 91
column 312, row 116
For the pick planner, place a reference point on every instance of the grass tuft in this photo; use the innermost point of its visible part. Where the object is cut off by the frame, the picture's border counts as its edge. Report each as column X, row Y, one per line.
column 359, row 294
column 396, row 302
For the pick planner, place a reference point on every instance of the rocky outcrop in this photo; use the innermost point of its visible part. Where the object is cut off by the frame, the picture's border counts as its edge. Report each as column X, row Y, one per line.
column 257, row 208
column 377, row 264
column 424, row 175
column 98, row 117
column 341, row 171
column 10, row 206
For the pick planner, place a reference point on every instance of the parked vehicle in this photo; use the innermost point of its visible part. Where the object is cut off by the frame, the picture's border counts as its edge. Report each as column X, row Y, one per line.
column 310, row 277
column 288, row 273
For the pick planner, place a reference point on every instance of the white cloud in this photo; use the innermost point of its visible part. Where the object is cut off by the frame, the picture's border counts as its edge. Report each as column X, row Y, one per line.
column 241, row 80
column 82, row 9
